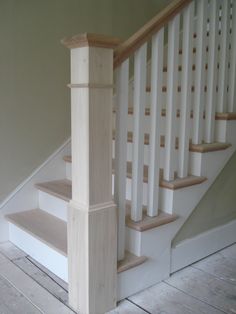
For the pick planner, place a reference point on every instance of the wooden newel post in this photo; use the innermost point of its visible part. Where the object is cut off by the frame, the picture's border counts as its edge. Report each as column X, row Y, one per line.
column 92, row 218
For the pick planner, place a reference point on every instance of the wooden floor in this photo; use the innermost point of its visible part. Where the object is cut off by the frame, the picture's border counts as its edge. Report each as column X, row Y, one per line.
column 206, row 287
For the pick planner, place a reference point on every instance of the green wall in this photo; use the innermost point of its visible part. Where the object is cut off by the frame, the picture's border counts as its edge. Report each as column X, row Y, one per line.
column 34, row 71
column 216, row 208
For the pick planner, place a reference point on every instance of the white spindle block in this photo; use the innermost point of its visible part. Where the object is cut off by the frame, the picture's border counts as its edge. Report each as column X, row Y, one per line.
column 140, row 64
column 232, row 74
column 155, row 132
column 184, row 134
column 172, row 78
column 199, row 82
column 122, row 92
column 223, row 57
column 212, row 72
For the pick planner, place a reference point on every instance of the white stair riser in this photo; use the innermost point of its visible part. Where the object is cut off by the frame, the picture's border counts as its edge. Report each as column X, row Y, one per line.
column 41, row 252
column 53, row 205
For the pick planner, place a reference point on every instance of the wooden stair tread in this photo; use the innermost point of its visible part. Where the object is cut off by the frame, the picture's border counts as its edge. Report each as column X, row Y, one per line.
column 218, row 116
column 226, row 116
column 201, row 148
column 130, row 261
column 148, row 222
column 178, row 183
column 58, row 188
column 53, row 232
column 45, row 227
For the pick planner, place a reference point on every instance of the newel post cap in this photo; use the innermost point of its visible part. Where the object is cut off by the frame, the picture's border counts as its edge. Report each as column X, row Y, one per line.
column 92, row 40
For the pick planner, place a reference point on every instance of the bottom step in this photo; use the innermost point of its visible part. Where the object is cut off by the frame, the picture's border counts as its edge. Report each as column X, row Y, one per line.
column 44, row 237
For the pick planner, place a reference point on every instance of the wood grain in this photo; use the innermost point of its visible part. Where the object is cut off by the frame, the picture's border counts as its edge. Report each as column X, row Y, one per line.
column 127, row 48
column 45, row 227
column 89, row 39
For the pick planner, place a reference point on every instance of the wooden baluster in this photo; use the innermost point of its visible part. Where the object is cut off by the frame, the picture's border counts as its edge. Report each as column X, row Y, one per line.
column 212, row 72
column 224, row 56
column 140, row 64
column 186, row 91
column 122, row 94
column 199, row 82
column 155, row 131
column 232, row 71
column 171, row 106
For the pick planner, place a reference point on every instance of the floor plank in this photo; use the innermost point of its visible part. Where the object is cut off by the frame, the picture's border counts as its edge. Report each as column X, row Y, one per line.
column 42, row 279
column 32, row 290
column 220, row 266
column 163, row 298
column 229, row 252
column 13, row 302
column 58, row 280
column 205, row 287
column 11, row 251
column 126, row 307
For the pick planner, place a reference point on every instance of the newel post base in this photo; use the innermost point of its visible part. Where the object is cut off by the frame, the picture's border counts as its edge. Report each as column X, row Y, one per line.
column 92, row 217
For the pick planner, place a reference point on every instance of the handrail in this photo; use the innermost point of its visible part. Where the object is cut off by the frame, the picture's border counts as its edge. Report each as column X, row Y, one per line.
column 128, row 47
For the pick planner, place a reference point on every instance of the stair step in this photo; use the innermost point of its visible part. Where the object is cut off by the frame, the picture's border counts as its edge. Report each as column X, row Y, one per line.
column 175, row 184
column 218, row 116
column 58, row 188
column 130, row 261
column 148, row 222
column 43, row 226
column 53, row 232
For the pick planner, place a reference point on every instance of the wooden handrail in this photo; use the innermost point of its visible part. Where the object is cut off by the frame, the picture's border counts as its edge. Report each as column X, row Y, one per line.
column 128, row 47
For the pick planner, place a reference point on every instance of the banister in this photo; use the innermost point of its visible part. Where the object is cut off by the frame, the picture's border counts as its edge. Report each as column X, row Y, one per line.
column 128, row 47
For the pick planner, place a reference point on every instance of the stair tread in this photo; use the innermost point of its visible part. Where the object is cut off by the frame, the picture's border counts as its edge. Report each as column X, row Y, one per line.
column 53, row 232
column 173, row 185
column 45, row 227
column 130, row 261
column 58, row 188
column 148, row 222
column 218, row 116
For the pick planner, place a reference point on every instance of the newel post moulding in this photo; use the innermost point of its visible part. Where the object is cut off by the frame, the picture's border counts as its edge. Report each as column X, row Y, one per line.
column 92, row 218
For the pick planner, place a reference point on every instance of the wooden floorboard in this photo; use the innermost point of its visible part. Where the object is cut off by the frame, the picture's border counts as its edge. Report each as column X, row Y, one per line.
column 163, row 298
column 13, row 302
column 206, row 287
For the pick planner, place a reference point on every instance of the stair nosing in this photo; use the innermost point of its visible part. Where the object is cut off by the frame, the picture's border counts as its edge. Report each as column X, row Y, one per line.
column 130, row 260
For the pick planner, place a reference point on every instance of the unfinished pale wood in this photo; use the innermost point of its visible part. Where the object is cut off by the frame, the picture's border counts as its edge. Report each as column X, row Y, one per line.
column 206, row 288
column 14, row 302
column 58, row 188
column 37, row 295
column 127, row 48
column 148, row 222
column 88, row 39
column 52, row 231
column 211, row 147
column 177, row 183
column 218, row 116
column 163, row 298
column 130, row 261
column 92, row 214
column 45, row 227
column 226, row 116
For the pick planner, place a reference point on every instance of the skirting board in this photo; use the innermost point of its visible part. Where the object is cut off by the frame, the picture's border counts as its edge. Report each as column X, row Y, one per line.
column 207, row 243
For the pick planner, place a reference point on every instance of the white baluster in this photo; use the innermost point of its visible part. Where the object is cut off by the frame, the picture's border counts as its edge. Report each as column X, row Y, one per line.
column 232, row 74
column 224, row 56
column 186, row 91
column 155, row 132
column 212, row 71
column 140, row 64
column 122, row 92
column 199, row 82
column 171, row 106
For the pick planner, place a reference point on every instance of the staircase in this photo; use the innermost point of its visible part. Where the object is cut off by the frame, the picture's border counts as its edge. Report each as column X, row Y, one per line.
column 154, row 153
